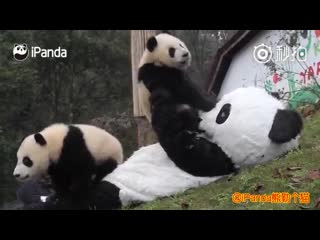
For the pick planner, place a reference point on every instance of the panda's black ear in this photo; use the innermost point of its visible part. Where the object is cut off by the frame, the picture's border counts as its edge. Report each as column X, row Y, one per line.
column 40, row 139
column 25, row 45
column 152, row 43
column 16, row 44
column 287, row 124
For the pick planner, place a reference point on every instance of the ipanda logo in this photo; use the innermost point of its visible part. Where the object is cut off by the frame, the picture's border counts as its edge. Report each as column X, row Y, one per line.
column 21, row 52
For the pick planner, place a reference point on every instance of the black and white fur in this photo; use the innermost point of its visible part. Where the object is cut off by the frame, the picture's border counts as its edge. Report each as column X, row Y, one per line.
column 74, row 156
column 163, row 65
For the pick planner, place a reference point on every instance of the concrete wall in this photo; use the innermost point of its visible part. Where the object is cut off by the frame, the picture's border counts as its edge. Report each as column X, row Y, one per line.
column 292, row 78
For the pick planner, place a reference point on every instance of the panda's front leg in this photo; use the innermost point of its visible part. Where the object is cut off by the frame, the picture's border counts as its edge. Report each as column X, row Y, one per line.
column 79, row 190
column 193, row 95
column 59, row 179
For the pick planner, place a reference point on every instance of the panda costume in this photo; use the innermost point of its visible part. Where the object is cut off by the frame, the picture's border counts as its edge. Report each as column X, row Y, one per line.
column 163, row 66
column 248, row 125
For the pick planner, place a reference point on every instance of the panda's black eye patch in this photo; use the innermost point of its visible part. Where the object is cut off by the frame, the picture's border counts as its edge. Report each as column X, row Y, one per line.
column 181, row 45
column 224, row 113
column 172, row 52
column 27, row 162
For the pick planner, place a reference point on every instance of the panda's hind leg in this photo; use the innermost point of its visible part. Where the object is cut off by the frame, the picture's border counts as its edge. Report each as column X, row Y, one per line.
column 104, row 169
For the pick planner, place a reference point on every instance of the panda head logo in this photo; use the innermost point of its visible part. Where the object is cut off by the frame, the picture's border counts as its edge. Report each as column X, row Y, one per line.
column 20, row 52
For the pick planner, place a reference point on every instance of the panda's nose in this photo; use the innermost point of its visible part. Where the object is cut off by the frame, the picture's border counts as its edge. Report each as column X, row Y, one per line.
column 16, row 175
column 185, row 55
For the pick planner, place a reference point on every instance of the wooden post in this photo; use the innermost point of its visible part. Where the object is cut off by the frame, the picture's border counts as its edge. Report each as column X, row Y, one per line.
column 139, row 38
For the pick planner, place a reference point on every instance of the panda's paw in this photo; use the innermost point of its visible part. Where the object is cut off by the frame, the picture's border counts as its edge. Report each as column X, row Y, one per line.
column 188, row 139
column 190, row 146
column 188, row 135
column 200, row 131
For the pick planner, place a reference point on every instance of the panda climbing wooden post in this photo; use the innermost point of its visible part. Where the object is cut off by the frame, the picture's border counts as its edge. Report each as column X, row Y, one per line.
column 139, row 38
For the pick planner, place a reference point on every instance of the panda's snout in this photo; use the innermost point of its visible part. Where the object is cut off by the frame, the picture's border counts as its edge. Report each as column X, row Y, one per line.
column 19, row 176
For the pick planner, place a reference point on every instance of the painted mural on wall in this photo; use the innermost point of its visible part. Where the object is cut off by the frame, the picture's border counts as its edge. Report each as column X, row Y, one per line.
column 284, row 81
column 291, row 72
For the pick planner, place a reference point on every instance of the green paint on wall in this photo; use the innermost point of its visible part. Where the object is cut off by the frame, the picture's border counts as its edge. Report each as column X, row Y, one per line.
column 268, row 86
column 305, row 95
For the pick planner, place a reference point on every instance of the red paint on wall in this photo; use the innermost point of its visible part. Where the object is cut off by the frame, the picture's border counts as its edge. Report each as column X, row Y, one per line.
column 275, row 78
column 312, row 71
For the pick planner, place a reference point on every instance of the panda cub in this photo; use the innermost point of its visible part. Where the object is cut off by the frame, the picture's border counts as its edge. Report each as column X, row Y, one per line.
column 163, row 65
column 74, row 156
column 177, row 128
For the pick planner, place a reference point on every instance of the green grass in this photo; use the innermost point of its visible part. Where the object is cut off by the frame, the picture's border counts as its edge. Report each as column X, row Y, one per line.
column 271, row 177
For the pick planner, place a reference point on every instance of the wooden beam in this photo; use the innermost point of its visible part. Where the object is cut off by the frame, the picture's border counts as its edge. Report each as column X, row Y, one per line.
column 138, row 42
column 139, row 39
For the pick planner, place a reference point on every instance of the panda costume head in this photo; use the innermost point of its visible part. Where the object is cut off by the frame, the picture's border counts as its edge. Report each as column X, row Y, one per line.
column 251, row 126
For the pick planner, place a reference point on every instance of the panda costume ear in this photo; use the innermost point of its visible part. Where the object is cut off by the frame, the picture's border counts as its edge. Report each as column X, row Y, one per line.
column 40, row 139
column 16, row 44
column 25, row 45
column 152, row 43
column 287, row 124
